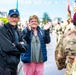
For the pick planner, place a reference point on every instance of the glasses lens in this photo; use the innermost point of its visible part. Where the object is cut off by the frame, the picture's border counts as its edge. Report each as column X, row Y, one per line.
column 14, row 16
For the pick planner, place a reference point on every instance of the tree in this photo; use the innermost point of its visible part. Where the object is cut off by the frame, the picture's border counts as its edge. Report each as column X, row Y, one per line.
column 5, row 20
column 46, row 18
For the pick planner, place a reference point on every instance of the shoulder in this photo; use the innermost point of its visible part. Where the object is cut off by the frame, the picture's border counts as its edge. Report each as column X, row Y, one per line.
column 24, row 30
column 2, row 28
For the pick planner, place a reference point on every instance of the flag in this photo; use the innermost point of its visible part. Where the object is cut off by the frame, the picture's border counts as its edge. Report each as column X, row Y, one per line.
column 69, row 12
column 75, row 6
column 17, row 4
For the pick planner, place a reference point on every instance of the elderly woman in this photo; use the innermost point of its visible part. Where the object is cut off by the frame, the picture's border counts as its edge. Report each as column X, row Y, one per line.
column 36, row 38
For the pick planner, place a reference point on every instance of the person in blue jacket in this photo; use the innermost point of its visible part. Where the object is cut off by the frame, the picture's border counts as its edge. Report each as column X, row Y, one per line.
column 37, row 38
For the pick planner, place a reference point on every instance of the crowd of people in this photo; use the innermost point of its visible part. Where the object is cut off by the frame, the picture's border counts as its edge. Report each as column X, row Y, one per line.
column 28, row 45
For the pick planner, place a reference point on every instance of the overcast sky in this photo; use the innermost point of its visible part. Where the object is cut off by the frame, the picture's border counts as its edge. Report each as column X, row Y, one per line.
column 54, row 8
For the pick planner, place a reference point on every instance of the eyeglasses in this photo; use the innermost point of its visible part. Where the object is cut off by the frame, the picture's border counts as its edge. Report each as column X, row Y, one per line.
column 14, row 16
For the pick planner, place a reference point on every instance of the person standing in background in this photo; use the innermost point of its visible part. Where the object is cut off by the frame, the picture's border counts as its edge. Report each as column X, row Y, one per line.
column 1, row 23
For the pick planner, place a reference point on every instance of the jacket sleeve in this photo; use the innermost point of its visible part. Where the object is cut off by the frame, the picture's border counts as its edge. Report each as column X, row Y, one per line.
column 26, row 35
column 47, row 36
column 60, row 56
column 6, row 44
column 22, row 47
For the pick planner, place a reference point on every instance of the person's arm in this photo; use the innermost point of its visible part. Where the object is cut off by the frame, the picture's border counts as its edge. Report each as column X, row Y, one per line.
column 47, row 36
column 26, row 35
column 47, row 32
column 60, row 56
column 6, row 44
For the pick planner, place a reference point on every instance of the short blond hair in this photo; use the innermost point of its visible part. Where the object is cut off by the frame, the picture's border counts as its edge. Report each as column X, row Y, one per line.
column 33, row 17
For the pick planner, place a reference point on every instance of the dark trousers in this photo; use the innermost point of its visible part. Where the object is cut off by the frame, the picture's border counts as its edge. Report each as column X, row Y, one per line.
column 8, row 71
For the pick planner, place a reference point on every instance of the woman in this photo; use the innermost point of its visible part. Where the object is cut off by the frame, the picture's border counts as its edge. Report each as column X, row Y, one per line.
column 36, row 38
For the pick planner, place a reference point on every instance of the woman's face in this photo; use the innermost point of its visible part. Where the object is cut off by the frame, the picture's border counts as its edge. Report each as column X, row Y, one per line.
column 33, row 23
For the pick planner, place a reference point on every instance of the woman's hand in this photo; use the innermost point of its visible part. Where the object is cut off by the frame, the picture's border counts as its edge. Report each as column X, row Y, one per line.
column 47, row 26
column 28, row 25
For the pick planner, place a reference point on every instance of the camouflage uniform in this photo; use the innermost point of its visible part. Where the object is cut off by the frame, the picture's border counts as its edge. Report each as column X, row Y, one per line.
column 59, row 33
column 69, row 27
column 63, row 25
column 65, row 54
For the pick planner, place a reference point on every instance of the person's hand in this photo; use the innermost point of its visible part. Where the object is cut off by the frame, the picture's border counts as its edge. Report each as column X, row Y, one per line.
column 21, row 42
column 28, row 25
column 47, row 26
